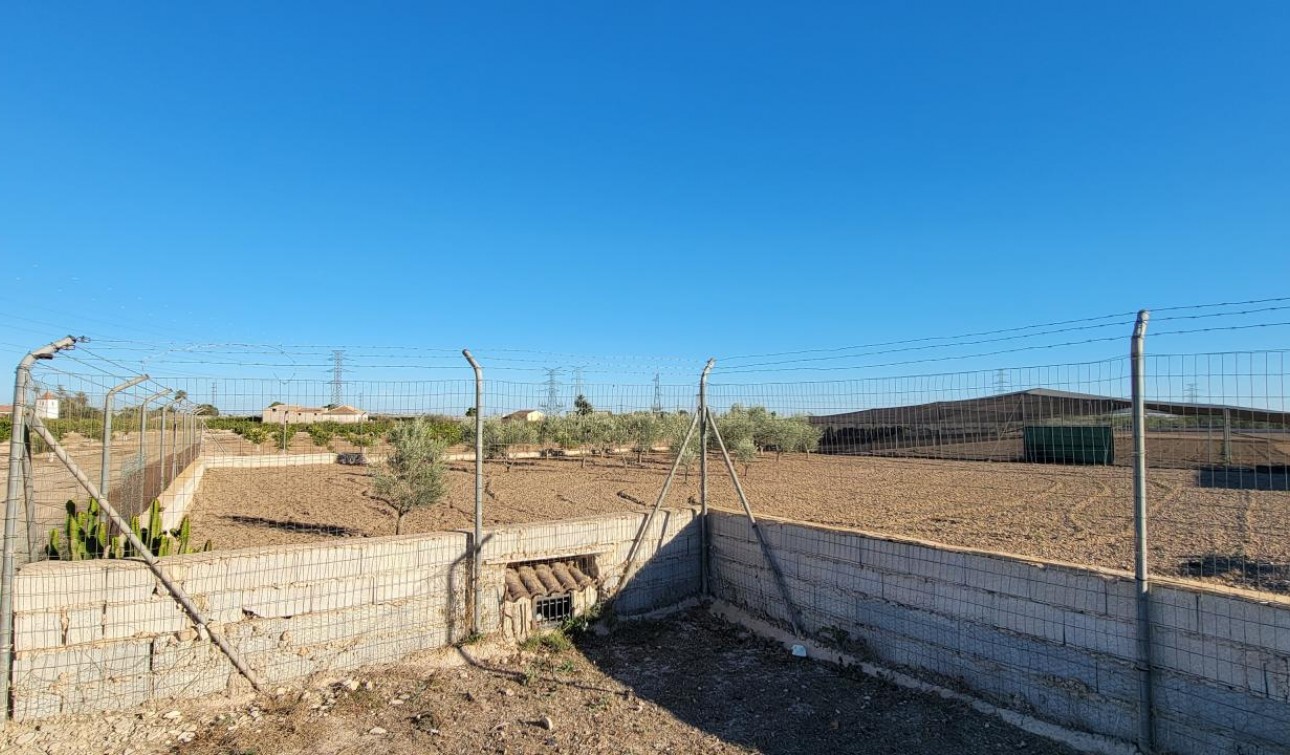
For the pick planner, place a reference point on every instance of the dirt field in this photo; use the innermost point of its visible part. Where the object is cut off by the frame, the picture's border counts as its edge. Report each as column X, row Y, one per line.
column 690, row 684
column 1074, row 514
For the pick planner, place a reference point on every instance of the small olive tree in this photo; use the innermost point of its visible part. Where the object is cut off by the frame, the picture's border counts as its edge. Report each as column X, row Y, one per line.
column 414, row 474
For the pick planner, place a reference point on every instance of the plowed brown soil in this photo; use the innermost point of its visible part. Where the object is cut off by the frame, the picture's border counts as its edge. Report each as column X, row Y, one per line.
column 1074, row 514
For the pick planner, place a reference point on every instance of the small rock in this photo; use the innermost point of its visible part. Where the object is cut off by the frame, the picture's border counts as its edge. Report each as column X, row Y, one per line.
column 470, row 697
column 396, row 701
column 25, row 738
column 351, row 685
column 508, row 692
column 186, row 737
column 546, row 723
column 377, row 731
column 367, row 685
column 173, row 715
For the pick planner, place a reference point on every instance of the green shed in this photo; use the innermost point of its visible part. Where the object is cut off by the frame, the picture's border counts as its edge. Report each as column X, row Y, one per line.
column 1068, row 444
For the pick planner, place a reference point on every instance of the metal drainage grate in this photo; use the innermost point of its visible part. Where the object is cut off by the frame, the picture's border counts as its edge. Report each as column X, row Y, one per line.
column 552, row 610
column 551, row 585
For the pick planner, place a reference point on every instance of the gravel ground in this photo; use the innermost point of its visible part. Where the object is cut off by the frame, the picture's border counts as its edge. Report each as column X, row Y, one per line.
column 1073, row 514
column 689, row 684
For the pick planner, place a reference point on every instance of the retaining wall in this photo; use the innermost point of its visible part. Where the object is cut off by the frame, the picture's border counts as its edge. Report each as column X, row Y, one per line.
column 1055, row 641
column 101, row 635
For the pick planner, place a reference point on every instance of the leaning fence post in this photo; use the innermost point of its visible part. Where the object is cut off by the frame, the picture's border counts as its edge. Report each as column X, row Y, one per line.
column 477, row 565
column 106, row 463
column 29, row 498
column 703, row 478
column 1141, row 573
column 17, row 440
column 176, row 591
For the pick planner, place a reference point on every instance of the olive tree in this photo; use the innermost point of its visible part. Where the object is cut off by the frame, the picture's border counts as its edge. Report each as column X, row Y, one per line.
column 414, row 473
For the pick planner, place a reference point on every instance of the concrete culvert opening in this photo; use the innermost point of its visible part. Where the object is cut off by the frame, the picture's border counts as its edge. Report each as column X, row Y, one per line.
column 544, row 594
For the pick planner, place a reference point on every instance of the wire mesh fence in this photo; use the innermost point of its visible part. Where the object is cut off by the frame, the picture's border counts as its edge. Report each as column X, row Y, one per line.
column 1032, row 461
column 1035, row 461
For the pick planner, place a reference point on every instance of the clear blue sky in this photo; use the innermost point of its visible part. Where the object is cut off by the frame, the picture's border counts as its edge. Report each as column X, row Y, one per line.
column 645, row 179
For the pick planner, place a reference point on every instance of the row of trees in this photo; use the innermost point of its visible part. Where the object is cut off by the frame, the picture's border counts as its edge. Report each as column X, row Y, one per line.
column 747, row 431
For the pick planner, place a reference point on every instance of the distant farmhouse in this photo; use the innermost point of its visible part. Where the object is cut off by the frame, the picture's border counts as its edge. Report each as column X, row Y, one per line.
column 524, row 415
column 47, row 406
column 290, row 414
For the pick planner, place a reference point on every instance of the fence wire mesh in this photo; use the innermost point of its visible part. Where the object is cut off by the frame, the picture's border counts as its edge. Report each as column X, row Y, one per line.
column 1035, row 462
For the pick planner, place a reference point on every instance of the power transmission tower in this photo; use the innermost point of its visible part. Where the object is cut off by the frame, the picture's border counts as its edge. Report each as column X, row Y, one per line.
column 215, row 394
column 1002, row 382
column 553, row 406
column 337, row 377
column 577, row 381
column 657, row 406
column 1193, row 393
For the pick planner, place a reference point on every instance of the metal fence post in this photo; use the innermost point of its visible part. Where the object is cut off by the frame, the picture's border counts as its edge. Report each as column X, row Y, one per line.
column 703, row 479
column 106, row 470
column 143, row 444
column 161, row 457
column 477, row 576
column 17, row 441
column 1141, row 572
column 174, row 443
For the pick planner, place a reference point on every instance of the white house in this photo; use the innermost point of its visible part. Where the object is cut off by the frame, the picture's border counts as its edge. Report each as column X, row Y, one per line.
column 524, row 415
column 47, row 406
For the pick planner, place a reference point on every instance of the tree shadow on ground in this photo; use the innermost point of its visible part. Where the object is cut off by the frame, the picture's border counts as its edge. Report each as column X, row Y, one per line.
column 291, row 525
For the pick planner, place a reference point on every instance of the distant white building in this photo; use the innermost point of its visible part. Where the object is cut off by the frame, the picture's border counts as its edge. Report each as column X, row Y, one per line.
column 291, row 414
column 524, row 415
column 47, row 406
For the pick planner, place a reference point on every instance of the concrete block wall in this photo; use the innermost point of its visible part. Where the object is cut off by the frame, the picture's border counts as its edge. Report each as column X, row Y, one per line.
column 664, row 571
column 98, row 635
column 1051, row 640
column 101, row 635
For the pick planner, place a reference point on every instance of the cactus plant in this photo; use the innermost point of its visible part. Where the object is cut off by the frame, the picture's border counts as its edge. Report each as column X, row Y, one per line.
column 89, row 536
